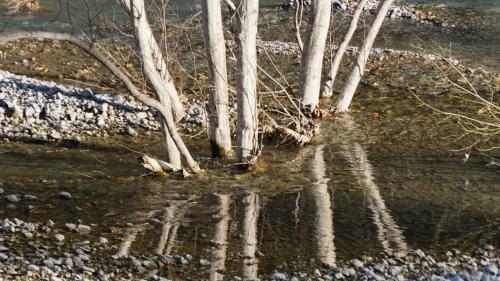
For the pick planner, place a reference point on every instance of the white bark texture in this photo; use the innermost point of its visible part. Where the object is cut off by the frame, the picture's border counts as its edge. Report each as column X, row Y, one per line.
column 327, row 90
column 146, row 42
column 247, row 124
column 313, row 53
column 120, row 75
column 218, row 264
column 219, row 132
column 364, row 52
column 251, row 215
column 157, row 55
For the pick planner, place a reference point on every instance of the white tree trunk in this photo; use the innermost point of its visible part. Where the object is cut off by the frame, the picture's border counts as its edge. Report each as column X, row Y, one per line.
column 221, row 231
column 250, row 218
column 339, row 54
column 313, row 53
column 318, row 191
column 247, row 125
column 364, row 52
column 158, row 60
column 146, row 42
column 219, row 132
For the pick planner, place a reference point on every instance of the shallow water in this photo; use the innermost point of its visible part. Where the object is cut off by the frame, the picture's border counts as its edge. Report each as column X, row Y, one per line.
column 345, row 196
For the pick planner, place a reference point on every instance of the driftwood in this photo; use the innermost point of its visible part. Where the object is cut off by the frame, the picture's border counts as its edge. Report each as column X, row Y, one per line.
column 157, row 166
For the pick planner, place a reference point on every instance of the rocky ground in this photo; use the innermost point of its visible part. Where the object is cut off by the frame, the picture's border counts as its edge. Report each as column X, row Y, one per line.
column 395, row 12
column 32, row 109
column 75, row 251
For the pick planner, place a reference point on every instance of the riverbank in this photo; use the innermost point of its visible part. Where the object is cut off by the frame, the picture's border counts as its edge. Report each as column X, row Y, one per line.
column 75, row 251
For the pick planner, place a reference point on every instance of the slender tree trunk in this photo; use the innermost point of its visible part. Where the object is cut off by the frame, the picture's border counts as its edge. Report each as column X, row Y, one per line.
column 251, row 215
column 219, row 132
column 158, row 60
column 339, row 54
column 313, row 53
column 364, row 52
column 144, row 38
column 247, row 124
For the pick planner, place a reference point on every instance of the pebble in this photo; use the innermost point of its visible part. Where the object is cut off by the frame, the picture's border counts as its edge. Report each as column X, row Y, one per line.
column 279, row 276
column 83, row 229
column 12, row 198
column 3, row 257
column 65, row 195
column 59, row 237
column 1, row 191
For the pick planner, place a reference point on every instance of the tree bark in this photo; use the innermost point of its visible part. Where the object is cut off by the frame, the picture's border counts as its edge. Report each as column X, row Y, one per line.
column 158, row 59
column 219, row 132
column 145, row 42
column 327, row 90
column 120, row 75
column 312, row 55
column 353, row 81
column 247, row 124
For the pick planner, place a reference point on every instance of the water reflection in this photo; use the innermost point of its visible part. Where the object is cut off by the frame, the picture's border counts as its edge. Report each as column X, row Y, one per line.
column 219, row 254
column 168, row 231
column 318, row 193
column 388, row 232
column 251, row 208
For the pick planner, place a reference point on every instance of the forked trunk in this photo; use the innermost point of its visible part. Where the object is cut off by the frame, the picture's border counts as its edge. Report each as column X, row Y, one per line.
column 327, row 90
column 247, row 124
column 353, row 81
column 219, row 132
column 155, row 76
column 313, row 53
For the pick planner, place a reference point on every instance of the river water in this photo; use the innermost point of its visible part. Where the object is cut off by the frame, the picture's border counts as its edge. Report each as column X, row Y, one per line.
column 364, row 187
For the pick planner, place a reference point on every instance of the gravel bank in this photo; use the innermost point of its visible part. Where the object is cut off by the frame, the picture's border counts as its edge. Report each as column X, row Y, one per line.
column 73, row 251
column 396, row 11
column 31, row 109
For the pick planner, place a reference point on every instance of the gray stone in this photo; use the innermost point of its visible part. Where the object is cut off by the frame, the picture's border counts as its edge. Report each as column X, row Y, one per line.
column 65, row 195
column 278, row 276
column 59, row 237
column 3, row 257
column 12, row 198
column 83, row 229
column 70, row 226
column 132, row 132
column 491, row 269
column 1, row 191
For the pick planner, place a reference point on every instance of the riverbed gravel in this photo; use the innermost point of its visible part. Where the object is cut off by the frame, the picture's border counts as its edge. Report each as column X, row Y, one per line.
column 48, row 251
column 32, row 109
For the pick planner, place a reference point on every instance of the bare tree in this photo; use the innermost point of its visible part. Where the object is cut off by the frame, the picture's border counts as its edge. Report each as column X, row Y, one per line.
column 219, row 132
column 312, row 57
column 247, row 123
column 327, row 90
column 155, row 69
column 364, row 52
